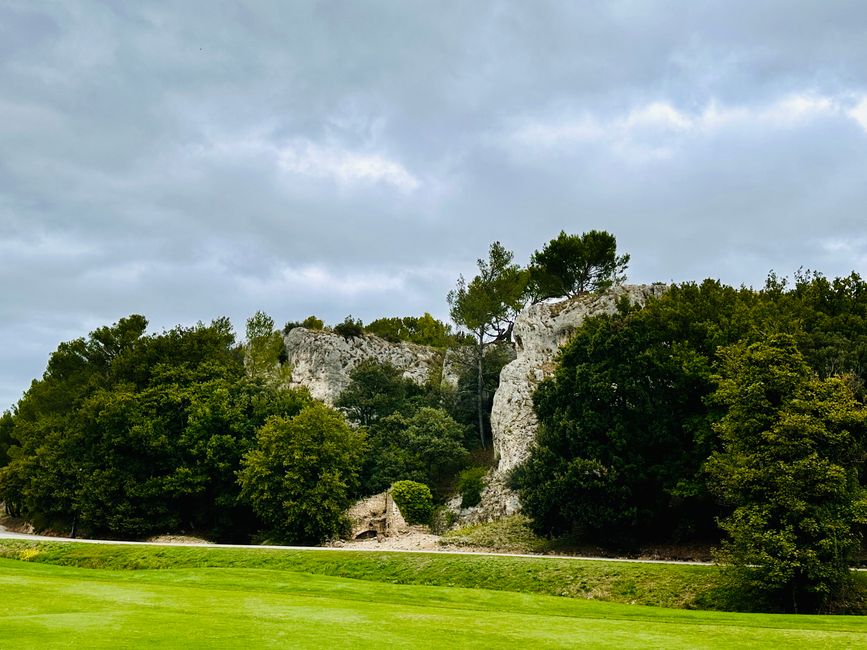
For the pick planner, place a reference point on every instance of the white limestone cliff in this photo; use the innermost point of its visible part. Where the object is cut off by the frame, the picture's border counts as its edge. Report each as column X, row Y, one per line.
column 322, row 360
column 539, row 332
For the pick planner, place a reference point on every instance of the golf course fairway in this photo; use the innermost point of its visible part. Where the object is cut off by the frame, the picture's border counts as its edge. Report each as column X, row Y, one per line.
column 50, row 606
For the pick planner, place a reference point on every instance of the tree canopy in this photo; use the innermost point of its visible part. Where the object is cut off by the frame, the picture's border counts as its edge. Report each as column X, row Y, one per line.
column 792, row 445
column 486, row 306
column 130, row 434
column 570, row 265
column 301, row 472
column 627, row 420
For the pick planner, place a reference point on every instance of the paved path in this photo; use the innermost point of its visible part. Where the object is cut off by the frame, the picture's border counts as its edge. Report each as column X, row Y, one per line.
column 7, row 534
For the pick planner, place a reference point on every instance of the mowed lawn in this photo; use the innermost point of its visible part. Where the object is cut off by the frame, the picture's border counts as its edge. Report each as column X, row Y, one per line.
column 50, row 606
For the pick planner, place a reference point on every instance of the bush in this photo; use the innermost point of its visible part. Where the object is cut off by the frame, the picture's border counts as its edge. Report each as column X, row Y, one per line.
column 414, row 500
column 310, row 323
column 442, row 519
column 471, row 482
column 349, row 328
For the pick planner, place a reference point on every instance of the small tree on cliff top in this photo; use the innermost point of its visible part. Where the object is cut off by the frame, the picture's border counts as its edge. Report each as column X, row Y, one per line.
column 574, row 264
column 486, row 306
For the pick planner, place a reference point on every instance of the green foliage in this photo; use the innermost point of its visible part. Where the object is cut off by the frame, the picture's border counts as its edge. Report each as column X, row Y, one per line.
column 486, row 307
column 301, row 473
column 425, row 446
column 422, row 330
column 462, row 401
column 624, row 425
column 471, row 482
column 487, row 304
column 414, row 500
column 350, row 328
column 130, row 435
column 6, row 427
column 792, row 447
column 310, row 323
column 376, row 389
column 266, row 350
column 574, row 264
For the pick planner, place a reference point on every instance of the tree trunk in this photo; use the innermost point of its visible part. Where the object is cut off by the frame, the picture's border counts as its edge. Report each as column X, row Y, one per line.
column 480, row 389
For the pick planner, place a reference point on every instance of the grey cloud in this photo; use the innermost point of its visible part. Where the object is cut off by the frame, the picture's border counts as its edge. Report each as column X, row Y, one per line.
column 192, row 160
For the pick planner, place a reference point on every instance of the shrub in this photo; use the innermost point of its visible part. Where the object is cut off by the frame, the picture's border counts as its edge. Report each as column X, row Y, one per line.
column 471, row 482
column 349, row 328
column 310, row 323
column 442, row 519
column 414, row 500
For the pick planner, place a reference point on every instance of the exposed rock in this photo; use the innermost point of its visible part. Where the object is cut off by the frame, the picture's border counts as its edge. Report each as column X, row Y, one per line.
column 322, row 361
column 377, row 516
column 539, row 332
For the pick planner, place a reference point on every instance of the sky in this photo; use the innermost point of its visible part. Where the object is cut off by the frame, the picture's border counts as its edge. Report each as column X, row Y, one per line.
column 187, row 161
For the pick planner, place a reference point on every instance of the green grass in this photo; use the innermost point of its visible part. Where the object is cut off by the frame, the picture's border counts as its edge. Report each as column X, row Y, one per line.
column 52, row 607
column 512, row 534
column 48, row 606
column 674, row 586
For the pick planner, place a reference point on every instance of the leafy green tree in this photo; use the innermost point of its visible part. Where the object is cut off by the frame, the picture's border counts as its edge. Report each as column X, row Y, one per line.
column 486, row 306
column 301, row 473
column 425, row 447
column 128, row 435
column 376, row 389
column 792, row 446
column 310, row 323
column 574, row 264
column 350, row 328
column 265, row 350
column 422, row 330
column 624, row 427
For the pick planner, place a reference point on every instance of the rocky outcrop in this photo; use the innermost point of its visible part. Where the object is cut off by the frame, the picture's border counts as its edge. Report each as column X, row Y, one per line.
column 539, row 332
column 376, row 516
column 322, row 360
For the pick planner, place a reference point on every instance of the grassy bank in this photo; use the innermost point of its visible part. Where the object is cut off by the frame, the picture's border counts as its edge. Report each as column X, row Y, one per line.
column 49, row 606
column 673, row 586
column 661, row 585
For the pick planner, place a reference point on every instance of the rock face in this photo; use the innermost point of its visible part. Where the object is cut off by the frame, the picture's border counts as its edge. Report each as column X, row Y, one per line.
column 322, row 361
column 376, row 516
column 539, row 332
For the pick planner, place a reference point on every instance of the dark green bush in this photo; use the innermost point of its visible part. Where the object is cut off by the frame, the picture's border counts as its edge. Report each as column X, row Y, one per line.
column 350, row 328
column 471, row 482
column 414, row 500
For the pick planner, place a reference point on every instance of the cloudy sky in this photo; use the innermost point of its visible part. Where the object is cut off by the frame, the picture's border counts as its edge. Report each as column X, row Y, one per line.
column 355, row 157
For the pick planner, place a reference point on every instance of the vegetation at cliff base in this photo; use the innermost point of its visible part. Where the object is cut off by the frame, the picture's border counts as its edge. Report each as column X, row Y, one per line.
column 659, row 421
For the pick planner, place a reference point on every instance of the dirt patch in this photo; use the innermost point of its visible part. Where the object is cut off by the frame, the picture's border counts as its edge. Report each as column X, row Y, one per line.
column 416, row 538
column 176, row 539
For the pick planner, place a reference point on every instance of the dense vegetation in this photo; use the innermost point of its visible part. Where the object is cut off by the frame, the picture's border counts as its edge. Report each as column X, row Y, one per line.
column 713, row 402
column 711, row 410
column 129, row 434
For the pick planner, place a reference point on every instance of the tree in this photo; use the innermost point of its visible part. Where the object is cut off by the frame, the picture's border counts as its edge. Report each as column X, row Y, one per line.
column 128, row 435
column 792, row 446
column 571, row 265
column 422, row 330
column 265, row 349
column 486, row 306
column 376, row 389
column 301, row 473
column 425, row 447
